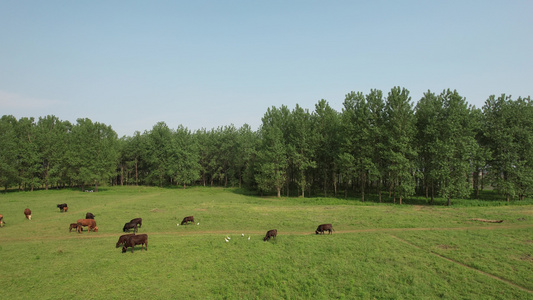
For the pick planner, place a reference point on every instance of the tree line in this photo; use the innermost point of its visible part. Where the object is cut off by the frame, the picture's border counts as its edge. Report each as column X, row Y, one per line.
column 377, row 144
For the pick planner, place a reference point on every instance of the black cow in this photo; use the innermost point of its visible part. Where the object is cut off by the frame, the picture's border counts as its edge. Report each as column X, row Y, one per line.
column 89, row 216
column 139, row 221
column 130, row 225
column 139, row 239
column 60, row 206
column 324, row 227
column 188, row 219
column 122, row 239
column 270, row 234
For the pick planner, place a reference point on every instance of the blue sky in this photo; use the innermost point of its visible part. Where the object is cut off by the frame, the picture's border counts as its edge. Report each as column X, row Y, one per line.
column 204, row 64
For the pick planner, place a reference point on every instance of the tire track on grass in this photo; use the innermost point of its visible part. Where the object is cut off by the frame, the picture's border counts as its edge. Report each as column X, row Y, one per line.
column 465, row 266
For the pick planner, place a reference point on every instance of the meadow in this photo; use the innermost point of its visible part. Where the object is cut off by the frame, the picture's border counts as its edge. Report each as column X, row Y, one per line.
column 378, row 251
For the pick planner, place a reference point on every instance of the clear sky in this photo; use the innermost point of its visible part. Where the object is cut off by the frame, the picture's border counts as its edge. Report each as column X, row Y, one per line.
column 204, row 64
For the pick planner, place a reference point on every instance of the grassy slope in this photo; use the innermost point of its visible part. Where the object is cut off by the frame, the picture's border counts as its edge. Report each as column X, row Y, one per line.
column 377, row 251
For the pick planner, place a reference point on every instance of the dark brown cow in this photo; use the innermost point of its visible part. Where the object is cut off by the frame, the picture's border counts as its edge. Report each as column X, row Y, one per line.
column 122, row 239
column 87, row 222
column 271, row 234
column 130, row 225
column 1, row 221
column 324, row 227
column 62, row 207
column 139, row 239
column 73, row 226
column 188, row 219
column 139, row 221
column 27, row 213
column 89, row 216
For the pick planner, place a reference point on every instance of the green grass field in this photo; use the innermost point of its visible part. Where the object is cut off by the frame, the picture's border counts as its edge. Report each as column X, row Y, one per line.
column 378, row 251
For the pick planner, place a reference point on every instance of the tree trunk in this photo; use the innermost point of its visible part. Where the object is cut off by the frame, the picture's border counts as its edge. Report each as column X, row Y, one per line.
column 449, row 200
column 279, row 192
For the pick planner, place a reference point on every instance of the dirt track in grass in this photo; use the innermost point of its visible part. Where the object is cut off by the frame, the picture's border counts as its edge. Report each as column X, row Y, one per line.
column 192, row 232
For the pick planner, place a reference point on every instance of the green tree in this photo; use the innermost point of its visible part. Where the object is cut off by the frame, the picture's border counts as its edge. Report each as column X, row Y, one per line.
column 428, row 116
column 52, row 144
column 159, row 154
column 8, row 152
column 299, row 145
column 456, row 146
column 327, row 125
column 508, row 136
column 376, row 106
column 93, row 153
column 272, row 162
column 28, row 158
column 184, row 166
column 399, row 143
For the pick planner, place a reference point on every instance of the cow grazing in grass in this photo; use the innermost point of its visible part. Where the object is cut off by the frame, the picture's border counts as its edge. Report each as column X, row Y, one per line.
column 139, row 239
column 62, row 207
column 1, row 221
column 122, row 239
column 73, row 226
column 270, row 234
column 188, row 219
column 90, row 223
column 130, row 225
column 324, row 227
column 139, row 221
column 89, row 216
column 27, row 213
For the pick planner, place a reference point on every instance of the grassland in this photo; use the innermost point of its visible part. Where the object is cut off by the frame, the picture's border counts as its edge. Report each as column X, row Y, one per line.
column 378, row 251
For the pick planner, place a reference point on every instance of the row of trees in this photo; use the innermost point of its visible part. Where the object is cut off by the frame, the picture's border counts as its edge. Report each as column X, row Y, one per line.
column 378, row 144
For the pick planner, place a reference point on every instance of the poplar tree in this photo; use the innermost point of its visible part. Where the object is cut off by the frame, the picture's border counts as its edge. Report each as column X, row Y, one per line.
column 272, row 162
column 399, row 143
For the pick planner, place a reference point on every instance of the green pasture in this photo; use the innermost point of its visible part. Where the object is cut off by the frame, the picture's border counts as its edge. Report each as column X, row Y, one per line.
column 378, row 251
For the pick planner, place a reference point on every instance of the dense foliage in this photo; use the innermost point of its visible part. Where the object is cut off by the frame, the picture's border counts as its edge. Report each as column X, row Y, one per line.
column 441, row 147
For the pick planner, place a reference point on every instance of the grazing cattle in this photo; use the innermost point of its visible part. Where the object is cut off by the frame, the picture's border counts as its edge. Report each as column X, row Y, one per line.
column 27, row 213
column 324, row 227
column 1, row 221
column 131, row 241
column 74, row 226
column 130, row 225
column 122, row 239
column 270, row 234
column 188, row 219
column 139, row 221
column 65, row 208
column 90, row 223
column 89, row 216
column 62, row 207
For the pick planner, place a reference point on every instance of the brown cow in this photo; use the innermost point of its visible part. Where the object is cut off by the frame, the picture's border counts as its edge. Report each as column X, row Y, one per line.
column 188, row 219
column 86, row 222
column 73, row 226
column 324, row 227
column 1, row 221
column 27, row 213
column 122, row 239
column 65, row 208
column 271, row 234
column 139, row 239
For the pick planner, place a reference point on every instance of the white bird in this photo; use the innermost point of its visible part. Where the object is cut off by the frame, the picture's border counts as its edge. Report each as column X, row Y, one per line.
column 243, row 234
column 178, row 224
column 248, row 238
column 198, row 223
column 226, row 240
